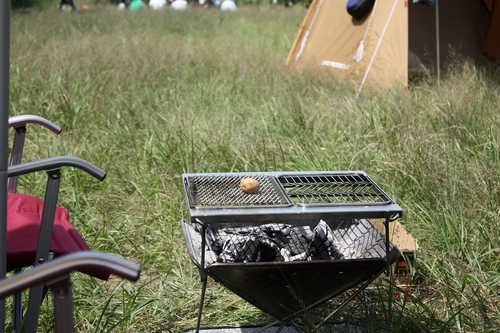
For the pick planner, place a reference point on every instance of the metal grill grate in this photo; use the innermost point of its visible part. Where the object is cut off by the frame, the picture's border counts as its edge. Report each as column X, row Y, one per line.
column 333, row 189
column 220, row 191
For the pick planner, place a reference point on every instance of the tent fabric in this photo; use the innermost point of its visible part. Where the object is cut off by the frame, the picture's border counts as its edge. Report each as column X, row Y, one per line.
column 396, row 31
column 462, row 31
column 331, row 41
column 24, row 213
column 492, row 44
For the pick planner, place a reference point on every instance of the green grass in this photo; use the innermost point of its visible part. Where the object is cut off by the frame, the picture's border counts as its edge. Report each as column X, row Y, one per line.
column 148, row 96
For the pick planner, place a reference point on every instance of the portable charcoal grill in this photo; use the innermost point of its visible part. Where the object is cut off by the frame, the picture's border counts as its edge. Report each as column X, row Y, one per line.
column 299, row 241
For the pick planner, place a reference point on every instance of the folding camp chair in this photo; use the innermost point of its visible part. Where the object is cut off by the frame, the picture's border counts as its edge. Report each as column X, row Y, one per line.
column 19, row 123
column 37, row 229
column 55, row 275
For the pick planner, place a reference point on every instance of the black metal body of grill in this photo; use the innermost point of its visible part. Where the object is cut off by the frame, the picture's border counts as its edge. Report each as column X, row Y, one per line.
column 299, row 241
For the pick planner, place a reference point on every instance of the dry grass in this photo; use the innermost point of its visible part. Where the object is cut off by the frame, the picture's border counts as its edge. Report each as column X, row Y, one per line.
column 150, row 96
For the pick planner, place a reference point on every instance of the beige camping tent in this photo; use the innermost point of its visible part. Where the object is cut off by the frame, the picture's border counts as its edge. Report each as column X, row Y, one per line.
column 395, row 38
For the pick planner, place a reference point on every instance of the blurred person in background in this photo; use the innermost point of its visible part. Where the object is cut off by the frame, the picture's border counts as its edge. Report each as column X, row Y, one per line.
column 137, row 5
column 179, row 4
column 123, row 5
column 157, row 4
column 70, row 3
column 229, row 5
column 206, row 3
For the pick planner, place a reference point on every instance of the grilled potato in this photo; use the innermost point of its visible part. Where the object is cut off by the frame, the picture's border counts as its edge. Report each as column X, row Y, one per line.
column 249, row 185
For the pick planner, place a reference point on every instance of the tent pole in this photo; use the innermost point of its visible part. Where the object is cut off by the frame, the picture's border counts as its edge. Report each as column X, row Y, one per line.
column 4, row 141
column 382, row 35
column 438, row 53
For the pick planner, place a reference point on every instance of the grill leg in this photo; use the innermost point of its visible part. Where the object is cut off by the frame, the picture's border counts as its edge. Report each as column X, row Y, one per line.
column 389, row 270
column 297, row 327
column 260, row 329
column 350, row 298
column 202, row 300
column 280, row 328
column 274, row 323
column 387, row 249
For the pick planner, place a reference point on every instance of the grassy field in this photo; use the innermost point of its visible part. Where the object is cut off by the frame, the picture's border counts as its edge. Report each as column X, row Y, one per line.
column 148, row 96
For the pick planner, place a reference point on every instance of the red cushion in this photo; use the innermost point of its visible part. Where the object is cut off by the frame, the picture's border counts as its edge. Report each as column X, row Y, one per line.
column 24, row 215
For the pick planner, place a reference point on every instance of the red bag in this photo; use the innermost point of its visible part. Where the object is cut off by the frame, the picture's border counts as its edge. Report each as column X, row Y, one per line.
column 24, row 215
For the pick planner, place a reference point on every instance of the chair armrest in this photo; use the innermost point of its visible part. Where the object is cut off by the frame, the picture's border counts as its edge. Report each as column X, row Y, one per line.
column 62, row 266
column 32, row 119
column 51, row 163
column 20, row 123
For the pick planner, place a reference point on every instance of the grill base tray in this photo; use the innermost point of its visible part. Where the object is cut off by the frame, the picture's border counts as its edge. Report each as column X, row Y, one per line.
column 285, row 289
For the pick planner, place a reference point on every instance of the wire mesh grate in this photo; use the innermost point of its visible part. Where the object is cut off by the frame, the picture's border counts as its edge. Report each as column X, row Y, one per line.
column 333, row 189
column 224, row 191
